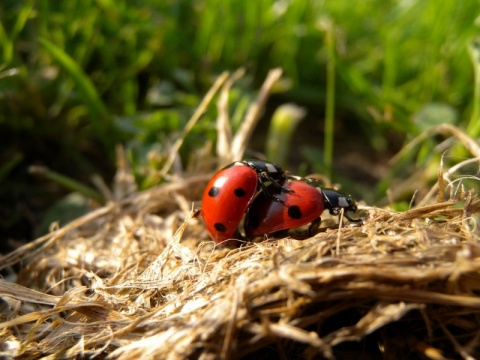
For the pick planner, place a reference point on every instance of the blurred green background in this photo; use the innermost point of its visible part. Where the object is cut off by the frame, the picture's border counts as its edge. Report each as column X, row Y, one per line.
column 78, row 77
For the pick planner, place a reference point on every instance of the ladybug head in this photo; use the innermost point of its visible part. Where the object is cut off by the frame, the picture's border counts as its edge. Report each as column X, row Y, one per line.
column 335, row 202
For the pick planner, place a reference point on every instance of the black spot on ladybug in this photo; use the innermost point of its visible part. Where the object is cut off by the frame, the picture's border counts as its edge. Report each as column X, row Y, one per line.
column 214, row 191
column 239, row 192
column 294, row 212
column 220, row 227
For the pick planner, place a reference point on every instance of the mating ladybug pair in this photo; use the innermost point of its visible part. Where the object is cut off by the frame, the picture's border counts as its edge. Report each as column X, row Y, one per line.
column 269, row 199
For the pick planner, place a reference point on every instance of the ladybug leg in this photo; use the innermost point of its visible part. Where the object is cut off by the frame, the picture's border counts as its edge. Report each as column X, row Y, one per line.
column 313, row 227
column 269, row 194
column 265, row 177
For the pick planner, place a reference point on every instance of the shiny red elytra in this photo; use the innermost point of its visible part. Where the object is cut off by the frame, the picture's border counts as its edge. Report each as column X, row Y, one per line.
column 231, row 190
column 301, row 201
column 300, row 206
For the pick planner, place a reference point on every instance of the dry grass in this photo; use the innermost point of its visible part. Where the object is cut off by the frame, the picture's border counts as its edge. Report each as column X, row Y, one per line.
column 139, row 279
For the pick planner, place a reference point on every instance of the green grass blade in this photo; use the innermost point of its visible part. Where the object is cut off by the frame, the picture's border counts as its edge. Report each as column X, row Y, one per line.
column 83, row 82
column 330, row 100
column 8, row 38
column 473, row 128
column 7, row 46
column 67, row 183
column 99, row 113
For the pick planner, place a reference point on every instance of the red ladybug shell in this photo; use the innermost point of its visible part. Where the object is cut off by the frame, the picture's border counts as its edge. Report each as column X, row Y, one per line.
column 297, row 208
column 226, row 199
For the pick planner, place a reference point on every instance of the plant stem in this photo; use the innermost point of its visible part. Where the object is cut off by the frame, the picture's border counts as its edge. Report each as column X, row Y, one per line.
column 330, row 100
column 473, row 128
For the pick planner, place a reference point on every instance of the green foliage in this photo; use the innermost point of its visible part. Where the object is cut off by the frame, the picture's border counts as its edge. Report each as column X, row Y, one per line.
column 474, row 124
column 95, row 58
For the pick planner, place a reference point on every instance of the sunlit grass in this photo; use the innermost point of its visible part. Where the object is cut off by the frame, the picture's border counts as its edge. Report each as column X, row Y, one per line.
column 88, row 63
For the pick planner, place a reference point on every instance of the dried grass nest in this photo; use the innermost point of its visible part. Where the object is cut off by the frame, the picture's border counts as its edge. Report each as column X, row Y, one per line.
column 138, row 278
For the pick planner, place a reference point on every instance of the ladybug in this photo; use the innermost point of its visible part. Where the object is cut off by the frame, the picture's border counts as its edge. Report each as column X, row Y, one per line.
column 231, row 190
column 302, row 205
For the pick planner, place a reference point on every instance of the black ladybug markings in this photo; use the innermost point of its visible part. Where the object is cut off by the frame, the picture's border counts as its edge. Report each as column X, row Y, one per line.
column 294, row 212
column 220, row 227
column 214, row 191
column 302, row 204
column 239, row 192
column 270, row 199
